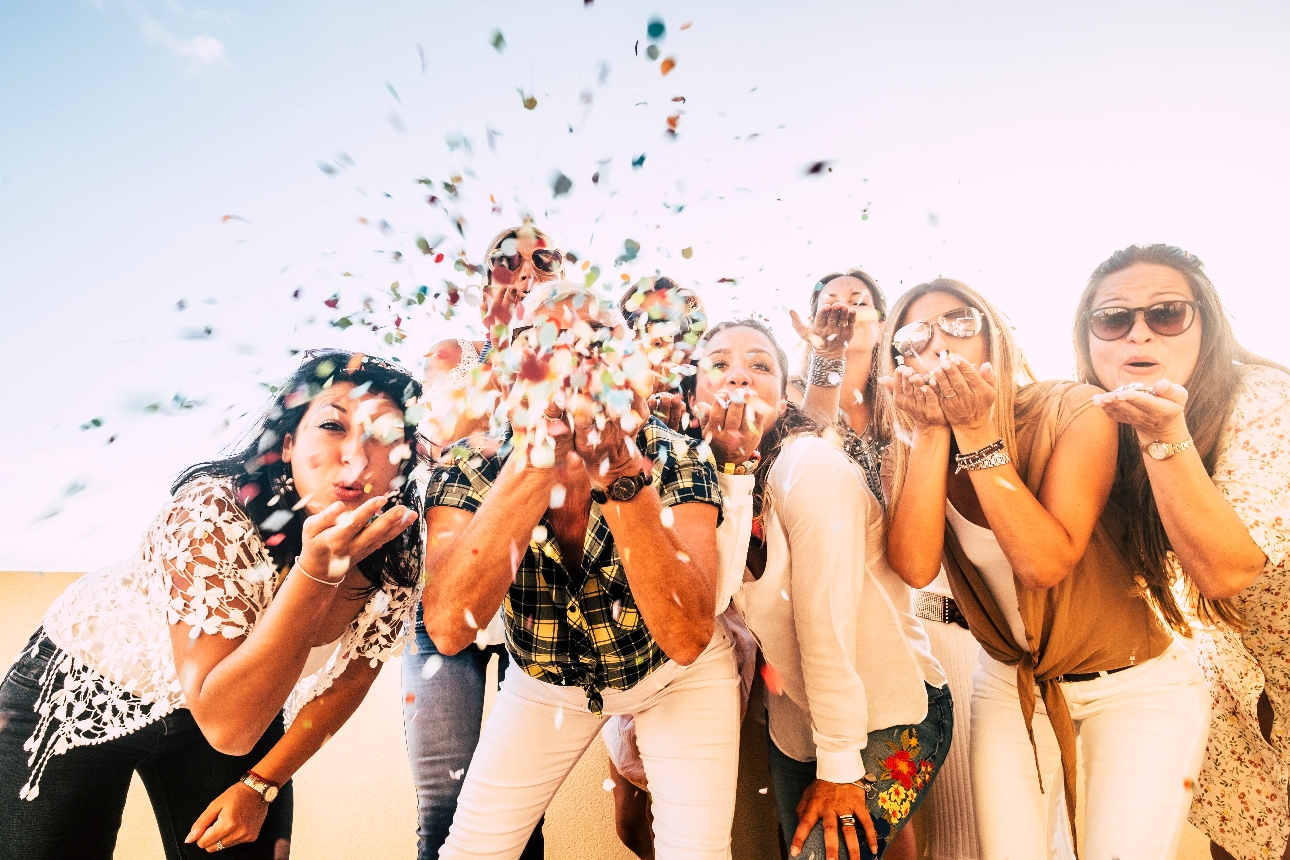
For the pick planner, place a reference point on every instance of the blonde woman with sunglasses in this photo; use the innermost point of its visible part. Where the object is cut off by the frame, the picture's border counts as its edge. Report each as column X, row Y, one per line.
column 1205, row 472
column 1007, row 483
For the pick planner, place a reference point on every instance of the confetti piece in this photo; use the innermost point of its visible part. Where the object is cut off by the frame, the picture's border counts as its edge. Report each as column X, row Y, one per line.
column 529, row 102
column 607, row 785
column 470, row 619
column 410, row 699
column 560, row 184
column 433, row 664
column 592, row 274
column 498, row 41
column 1005, row 484
column 675, row 599
column 668, row 65
column 687, row 25
column 682, row 557
column 774, row 681
column 783, row 594
column 652, row 52
column 389, row 86
column 818, row 167
column 274, row 540
column 687, row 253
column 234, row 218
column 656, row 29
column 539, row 533
column 456, row 774
column 559, row 717
column 639, row 161
column 668, row 518
column 557, row 496
column 327, row 168
column 761, row 791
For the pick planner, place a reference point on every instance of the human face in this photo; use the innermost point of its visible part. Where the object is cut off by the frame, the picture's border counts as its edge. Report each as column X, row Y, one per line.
column 974, row 349
column 1143, row 356
column 345, row 450
column 518, row 251
column 742, row 359
column 855, row 293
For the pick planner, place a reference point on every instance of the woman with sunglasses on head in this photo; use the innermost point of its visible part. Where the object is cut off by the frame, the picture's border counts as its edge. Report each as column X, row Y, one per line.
column 842, row 335
column 444, row 695
column 1007, row 483
column 247, row 629
column 1205, row 473
column 859, row 716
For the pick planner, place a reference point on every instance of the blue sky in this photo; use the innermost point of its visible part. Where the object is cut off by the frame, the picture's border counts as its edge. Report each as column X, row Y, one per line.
column 1011, row 145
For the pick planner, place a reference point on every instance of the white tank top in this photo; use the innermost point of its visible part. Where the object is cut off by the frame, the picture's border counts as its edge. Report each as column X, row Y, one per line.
column 983, row 550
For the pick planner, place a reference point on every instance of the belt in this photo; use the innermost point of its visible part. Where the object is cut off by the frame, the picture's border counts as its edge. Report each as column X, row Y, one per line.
column 1087, row 676
column 939, row 608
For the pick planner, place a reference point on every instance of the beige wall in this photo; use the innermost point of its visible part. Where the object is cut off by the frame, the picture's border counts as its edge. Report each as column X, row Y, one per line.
column 355, row 798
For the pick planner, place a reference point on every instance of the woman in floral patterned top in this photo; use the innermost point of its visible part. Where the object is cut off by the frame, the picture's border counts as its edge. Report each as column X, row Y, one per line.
column 1205, row 469
column 180, row 663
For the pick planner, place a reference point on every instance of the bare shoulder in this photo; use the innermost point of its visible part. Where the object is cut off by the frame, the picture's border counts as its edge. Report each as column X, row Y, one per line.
column 444, row 356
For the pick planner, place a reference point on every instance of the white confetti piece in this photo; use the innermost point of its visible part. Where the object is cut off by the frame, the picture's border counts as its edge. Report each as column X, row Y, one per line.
column 470, row 619
column 607, row 785
column 433, row 664
column 559, row 717
column 668, row 518
column 539, row 533
column 557, row 496
column 783, row 594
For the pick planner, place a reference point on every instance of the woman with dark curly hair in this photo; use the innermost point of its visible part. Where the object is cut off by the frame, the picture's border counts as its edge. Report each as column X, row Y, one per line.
column 248, row 627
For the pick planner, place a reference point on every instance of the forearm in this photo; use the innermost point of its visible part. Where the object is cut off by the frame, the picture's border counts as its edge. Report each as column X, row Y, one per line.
column 468, row 576
column 1212, row 544
column 242, row 693
column 916, row 534
column 821, row 402
column 1038, row 547
column 318, row 721
column 673, row 583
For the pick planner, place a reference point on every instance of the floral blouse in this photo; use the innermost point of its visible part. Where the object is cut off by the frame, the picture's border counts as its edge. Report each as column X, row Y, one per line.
column 201, row 563
column 1241, row 794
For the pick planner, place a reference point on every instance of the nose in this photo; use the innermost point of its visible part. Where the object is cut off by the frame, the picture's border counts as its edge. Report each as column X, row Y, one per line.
column 737, row 376
column 353, row 454
column 935, row 346
column 1141, row 332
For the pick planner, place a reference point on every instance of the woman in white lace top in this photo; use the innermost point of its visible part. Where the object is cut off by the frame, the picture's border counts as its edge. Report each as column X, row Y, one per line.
column 248, row 627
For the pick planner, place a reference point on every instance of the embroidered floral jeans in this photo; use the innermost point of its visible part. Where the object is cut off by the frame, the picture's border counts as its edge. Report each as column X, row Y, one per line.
column 902, row 760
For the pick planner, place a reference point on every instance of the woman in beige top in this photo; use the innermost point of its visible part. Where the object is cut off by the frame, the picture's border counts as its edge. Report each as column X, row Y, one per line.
column 1205, row 470
column 1006, row 481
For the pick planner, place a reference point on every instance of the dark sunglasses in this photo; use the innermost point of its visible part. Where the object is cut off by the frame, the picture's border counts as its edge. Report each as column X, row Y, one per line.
column 912, row 339
column 1167, row 319
column 544, row 260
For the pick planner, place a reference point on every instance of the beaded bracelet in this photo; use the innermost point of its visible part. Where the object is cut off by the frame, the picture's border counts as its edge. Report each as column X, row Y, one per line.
column 983, row 458
column 827, row 371
column 327, row 582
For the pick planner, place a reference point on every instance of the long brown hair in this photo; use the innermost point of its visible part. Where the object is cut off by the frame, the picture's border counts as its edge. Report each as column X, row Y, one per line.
column 879, row 419
column 1010, row 368
column 1211, row 396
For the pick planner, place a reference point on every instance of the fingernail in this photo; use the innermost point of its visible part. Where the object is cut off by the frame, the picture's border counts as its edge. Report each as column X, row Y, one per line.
column 794, row 851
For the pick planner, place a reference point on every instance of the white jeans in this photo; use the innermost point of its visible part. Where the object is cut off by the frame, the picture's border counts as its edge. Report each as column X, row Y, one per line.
column 1141, row 737
column 687, row 726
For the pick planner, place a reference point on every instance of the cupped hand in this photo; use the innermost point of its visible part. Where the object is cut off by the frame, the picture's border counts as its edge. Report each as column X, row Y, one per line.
column 730, row 425
column 233, row 818
column 669, row 407
column 1154, row 414
column 604, row 445
column 824, row 801
column 913, row 396
column 830, row 330
column 504, row 304
column 966, row 394
column 336, row 539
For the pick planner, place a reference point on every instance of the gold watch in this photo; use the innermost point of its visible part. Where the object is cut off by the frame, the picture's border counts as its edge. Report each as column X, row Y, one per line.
column 1158, row 450
column 268, row 791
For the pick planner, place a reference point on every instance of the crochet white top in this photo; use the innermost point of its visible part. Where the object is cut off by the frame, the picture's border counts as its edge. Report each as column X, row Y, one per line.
column 201, row 563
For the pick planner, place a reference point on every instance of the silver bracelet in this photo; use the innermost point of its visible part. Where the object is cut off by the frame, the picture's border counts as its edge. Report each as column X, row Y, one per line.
column 327, row 582
column 826, row 371
column 988, row 457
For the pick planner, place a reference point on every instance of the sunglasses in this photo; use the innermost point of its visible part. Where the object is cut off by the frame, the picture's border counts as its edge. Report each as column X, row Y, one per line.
column 913, row 338
column 544, row 260
column 1167, row 319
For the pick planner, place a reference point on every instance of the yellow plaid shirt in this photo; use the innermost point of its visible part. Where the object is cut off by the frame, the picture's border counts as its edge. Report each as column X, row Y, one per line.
column 582, row 628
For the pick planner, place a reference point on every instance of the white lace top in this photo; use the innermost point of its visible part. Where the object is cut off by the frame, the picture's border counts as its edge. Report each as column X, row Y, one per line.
column 201, row 563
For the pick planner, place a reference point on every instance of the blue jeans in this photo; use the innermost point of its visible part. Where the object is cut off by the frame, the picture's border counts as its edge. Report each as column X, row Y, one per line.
column 441, row 721
column 82, row 792
column 902, row 780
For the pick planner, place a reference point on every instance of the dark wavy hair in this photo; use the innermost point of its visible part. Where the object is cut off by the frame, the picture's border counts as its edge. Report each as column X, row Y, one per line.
column 1211, row 396
column 259, row 475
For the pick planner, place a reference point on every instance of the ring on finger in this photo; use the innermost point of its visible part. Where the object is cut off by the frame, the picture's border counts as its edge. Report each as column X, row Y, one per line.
column 219, row 845
column 947, row 394
column 847, row 820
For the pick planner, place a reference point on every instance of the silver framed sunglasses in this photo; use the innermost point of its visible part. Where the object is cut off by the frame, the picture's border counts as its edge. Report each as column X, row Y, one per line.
column 913, row 338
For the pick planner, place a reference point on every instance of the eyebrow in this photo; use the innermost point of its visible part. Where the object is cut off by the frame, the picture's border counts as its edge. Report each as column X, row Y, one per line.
column 334, row 405
column 746, row 352
column 1165, row 294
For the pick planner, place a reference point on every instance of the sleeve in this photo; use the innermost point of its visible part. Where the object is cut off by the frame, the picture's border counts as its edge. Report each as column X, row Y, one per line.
column 681, row 473
column 733, row 534
column 819, row 498
column 461, row 485
column 1253, row 465
column 375, row 635
column 217, row 573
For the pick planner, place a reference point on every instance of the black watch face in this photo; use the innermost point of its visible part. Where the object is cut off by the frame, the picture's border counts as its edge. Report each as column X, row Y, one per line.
column 625, row 488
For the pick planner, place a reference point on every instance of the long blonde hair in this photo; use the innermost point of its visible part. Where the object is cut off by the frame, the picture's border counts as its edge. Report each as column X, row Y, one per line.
column 1010, row 369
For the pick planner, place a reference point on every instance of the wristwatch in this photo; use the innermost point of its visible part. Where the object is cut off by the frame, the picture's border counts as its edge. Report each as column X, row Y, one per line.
column 1158, row 450
column 622, row 489
column 268, row 791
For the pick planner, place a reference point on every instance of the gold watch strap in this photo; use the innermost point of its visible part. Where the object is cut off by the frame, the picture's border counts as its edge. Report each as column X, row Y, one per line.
column 1168, row 449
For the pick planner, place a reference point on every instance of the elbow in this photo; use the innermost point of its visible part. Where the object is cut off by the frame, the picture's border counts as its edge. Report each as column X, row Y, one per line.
column 449, row 639
column 686, row 649
column 233, row 740
column 914, row 572
column 1224, row 583
column 1043, row 578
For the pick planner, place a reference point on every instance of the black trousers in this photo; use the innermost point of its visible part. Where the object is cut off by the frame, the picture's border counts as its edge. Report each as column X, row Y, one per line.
column 82, row 793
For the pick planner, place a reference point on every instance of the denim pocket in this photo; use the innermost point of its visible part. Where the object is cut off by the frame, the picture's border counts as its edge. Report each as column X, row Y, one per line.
column 30, row 666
